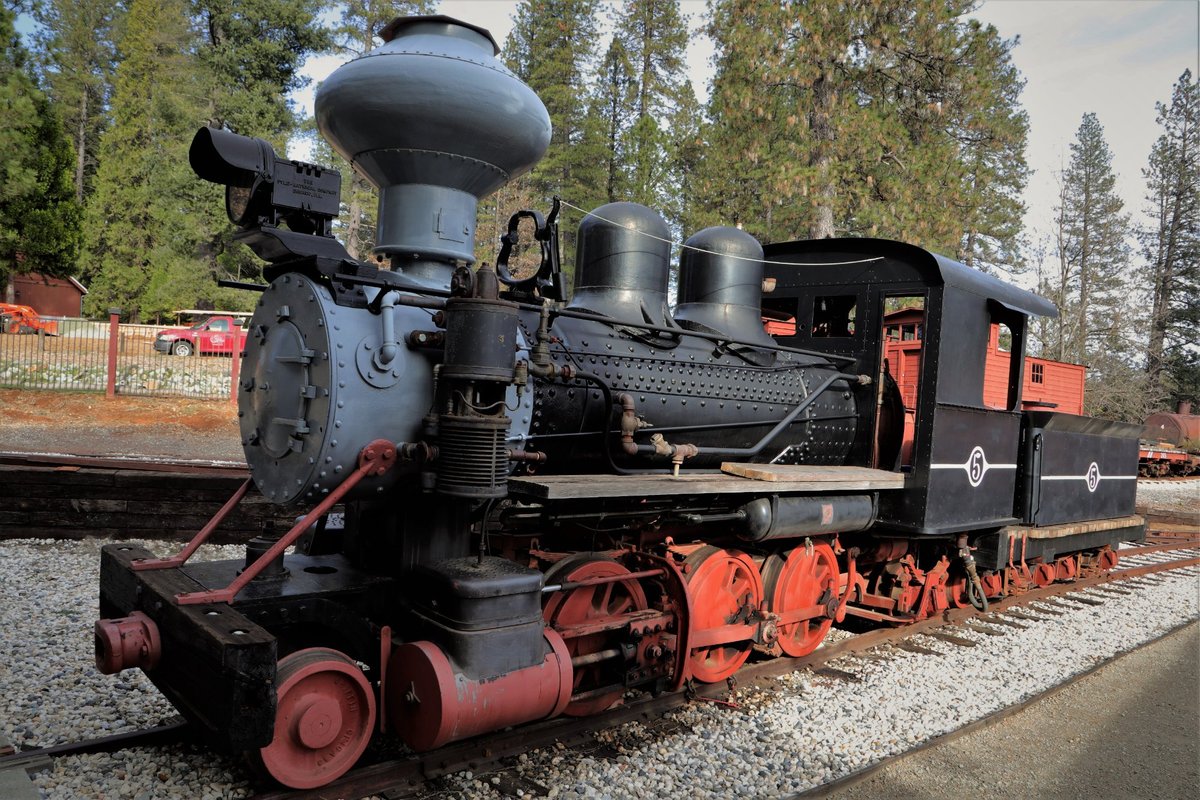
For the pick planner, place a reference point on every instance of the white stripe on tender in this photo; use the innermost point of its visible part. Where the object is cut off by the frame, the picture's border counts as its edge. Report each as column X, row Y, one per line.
column 964, row 466
column 1084, row 477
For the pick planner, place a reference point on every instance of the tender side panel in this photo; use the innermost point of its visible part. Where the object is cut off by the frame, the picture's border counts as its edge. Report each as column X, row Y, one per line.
column 1076, row 468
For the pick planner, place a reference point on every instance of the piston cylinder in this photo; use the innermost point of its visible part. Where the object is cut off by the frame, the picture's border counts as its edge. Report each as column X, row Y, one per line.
column 430, row 703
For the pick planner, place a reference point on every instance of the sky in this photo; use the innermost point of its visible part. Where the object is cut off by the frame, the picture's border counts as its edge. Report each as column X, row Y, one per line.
column 1115, row 58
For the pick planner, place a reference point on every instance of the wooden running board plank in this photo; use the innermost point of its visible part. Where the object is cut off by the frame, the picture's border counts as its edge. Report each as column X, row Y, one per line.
column 783, row 473
column 821, row 480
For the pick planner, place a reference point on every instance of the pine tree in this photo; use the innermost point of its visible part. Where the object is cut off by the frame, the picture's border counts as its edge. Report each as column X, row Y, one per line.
column 79, row 47
column 37, row 203
column 142, row 230
column 653, row 36
column 1171, row 245
column 991, row 134
column 613, row 108
column 853, row 117
column 551, row 47
column 741, row 144
column 251, row 55
column 1092, row 246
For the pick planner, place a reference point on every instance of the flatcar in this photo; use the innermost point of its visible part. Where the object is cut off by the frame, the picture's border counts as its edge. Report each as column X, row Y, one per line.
column 544, row 503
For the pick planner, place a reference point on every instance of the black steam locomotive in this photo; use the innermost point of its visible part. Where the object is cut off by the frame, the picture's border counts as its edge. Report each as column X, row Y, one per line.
column 540, row 504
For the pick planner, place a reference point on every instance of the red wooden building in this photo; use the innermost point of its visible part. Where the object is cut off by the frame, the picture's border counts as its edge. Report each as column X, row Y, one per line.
column 49, row 297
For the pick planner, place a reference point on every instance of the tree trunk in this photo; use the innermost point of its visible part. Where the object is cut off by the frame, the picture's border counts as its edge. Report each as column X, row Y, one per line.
column 821, row 124
column 354, row 224
column 81, row 146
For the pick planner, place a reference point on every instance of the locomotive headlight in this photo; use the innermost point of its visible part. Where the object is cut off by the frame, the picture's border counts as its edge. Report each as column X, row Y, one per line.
column 237, row 204
column 243, row 164
column 263, row 189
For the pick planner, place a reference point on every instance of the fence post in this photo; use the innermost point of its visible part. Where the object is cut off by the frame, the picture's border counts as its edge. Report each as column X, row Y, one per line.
column 235, row 368
column 114, row 327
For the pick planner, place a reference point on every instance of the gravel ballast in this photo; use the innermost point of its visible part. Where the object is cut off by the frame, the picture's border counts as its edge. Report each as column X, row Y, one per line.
column 809, row 730
column 1176, row 497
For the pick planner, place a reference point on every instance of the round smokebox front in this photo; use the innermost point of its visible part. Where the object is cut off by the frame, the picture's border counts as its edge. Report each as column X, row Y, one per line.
column 305, row 407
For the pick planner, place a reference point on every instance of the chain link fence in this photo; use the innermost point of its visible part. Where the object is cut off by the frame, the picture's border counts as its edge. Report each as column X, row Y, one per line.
column 82, row 357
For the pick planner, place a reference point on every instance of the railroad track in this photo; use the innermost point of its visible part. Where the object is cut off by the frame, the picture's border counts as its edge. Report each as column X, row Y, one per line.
column 411, row 775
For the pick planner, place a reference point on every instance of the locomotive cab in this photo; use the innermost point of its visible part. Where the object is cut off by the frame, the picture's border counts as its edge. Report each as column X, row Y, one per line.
column 965, row 452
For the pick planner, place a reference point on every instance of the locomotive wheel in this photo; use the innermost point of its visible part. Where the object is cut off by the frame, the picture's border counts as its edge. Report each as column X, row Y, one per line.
column 723, row 585
column 591, row 604
column 1065, row 568
column 1107, row 559
column 324, row 718
column 1044, row 574
column 803, row 581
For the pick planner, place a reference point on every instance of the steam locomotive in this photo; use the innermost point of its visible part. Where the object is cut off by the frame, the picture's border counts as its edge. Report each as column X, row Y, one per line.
column 514, row 506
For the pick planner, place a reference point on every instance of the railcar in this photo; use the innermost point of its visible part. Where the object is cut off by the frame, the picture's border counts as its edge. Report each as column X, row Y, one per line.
column 513, row 505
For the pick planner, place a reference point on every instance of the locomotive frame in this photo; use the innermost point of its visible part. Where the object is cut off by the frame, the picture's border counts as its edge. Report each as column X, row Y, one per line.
column 674, row 489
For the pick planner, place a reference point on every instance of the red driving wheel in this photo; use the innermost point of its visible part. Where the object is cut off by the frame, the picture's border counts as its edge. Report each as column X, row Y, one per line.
column 324, row 718
column 1108, row 559
column 591, row 604
column 803, row 581
column 724, row 586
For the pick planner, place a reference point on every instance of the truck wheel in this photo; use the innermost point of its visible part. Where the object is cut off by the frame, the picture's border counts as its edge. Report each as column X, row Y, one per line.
column 182, row 349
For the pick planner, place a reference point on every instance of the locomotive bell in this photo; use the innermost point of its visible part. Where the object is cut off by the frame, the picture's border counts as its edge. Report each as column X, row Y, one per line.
column 435, row 122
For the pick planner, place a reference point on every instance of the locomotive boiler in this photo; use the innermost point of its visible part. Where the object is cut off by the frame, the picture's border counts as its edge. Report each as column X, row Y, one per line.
column 512, row 504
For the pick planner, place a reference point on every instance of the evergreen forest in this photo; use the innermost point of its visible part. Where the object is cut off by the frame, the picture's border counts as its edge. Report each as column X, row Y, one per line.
column 882, row 118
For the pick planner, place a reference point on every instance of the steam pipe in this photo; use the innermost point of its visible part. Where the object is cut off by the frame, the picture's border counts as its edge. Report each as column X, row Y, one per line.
column 389, row 348
column 631, row 448
column 677, row 332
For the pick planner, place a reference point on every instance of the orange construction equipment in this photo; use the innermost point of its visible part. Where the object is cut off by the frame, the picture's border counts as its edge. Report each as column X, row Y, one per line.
column 23, row 319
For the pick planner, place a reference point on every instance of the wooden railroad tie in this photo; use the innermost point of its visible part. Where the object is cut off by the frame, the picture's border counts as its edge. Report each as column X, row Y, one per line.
column 952, row 639
column 1023, row 616
column 977, row 627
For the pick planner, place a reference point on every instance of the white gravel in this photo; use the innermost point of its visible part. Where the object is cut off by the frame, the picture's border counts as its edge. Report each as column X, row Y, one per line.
column 810, row 731
column 1173, row 496
column 51, row 692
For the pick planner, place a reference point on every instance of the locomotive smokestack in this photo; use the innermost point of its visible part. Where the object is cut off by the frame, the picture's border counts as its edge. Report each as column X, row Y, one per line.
column 435, row 122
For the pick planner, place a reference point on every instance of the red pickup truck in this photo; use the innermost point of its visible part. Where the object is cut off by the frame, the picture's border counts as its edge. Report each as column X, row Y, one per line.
column 218, row 335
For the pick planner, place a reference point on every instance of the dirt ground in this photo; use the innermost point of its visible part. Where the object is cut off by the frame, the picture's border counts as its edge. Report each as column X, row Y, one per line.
column 82, row 423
